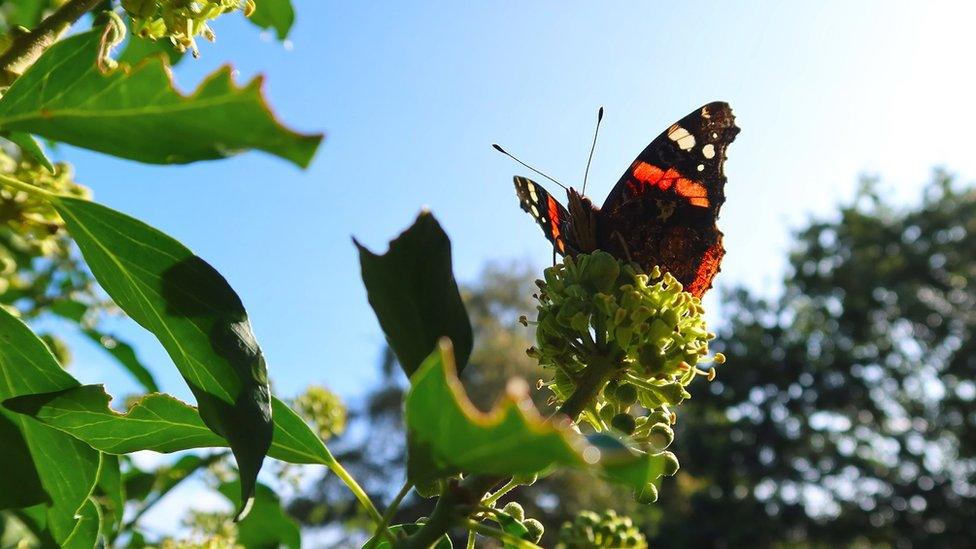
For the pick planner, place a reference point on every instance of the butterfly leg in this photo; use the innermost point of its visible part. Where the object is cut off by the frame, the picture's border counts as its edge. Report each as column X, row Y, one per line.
column 554, row 257
column 623, row 245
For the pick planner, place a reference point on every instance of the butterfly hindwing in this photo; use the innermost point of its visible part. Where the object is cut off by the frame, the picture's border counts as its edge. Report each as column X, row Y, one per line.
column 663, row 209
column 546, row 210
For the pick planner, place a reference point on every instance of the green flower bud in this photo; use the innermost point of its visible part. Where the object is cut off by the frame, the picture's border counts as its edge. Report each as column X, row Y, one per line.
column 659, row 437
column 646, row 495
column 671, row 464
column 601, row 271
column 535, row 528
column 514, row 510
column 625, row 394
column 625, row 423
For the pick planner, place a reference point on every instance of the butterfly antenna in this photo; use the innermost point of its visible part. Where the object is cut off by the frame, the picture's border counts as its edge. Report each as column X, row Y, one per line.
column 499, row 148
column 599, row 118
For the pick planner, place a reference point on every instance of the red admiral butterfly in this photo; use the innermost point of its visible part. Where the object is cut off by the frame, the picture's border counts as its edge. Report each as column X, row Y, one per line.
column 663, row 209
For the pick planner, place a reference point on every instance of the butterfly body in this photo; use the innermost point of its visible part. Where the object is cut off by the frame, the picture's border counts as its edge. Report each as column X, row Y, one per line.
column 663, row 209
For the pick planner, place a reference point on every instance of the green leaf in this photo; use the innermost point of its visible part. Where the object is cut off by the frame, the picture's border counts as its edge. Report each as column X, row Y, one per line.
column 20, row 485
column 451, row 435
column 276, row 14
column 85, row 533
column 267, row 525
column 125, row 355
column 136, row 49
column 193, row 312
column 137, row 114
column 414, row 294
column 31, row 148
column 67, row 468
column 157, row 422
column 110, row 496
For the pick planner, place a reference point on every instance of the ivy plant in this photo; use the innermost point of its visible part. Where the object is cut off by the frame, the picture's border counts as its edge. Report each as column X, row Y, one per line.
column 622, row 345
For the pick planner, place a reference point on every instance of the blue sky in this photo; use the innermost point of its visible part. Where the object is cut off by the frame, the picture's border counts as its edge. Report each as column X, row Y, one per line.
column 411, row 97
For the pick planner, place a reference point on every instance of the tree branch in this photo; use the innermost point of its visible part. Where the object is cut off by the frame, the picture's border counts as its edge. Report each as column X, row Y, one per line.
column 27, row 47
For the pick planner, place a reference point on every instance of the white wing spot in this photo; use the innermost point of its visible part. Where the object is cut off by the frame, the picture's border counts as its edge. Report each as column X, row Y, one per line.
column 714, row 135
column 535, row 211
column 708, row 151
column 701, row 167
column 705, row 113
column 681, row 136
column 535, row 197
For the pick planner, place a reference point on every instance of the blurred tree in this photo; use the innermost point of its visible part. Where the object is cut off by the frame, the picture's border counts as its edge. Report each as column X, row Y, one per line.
column 846, row 414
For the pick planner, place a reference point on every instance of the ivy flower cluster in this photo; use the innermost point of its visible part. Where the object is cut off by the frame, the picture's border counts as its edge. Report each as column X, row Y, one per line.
column 29, row 227
column 607, row 530
column 636, row 335
column 181, row 21
column 324, row 409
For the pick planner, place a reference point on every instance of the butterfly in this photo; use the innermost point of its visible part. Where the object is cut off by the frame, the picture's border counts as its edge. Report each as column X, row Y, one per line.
column 663, row 209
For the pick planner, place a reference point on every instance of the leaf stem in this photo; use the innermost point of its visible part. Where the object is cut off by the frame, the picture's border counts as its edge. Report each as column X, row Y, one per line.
column 390, row 511
column 588, row 386
column 27, row 47
column 508, row 487
column 357, row 490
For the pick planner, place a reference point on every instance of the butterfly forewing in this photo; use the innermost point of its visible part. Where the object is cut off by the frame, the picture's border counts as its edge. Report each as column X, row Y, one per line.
column 663, row 209
column 547, row 212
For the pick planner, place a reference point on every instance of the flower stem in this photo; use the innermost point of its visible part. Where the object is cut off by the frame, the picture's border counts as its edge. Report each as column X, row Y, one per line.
column 27, row 47
column 588, row 387
column 498, row 534
column 511, row 485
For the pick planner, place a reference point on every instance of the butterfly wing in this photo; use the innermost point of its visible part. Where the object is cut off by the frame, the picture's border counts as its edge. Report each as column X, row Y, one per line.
column 547, row 212
column 663, row 209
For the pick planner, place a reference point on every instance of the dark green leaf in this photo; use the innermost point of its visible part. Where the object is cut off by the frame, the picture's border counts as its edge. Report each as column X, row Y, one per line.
column 126, row 356
column 31, row 148
column 193, row 312
column 267, row 525
column 137, row 114
column 20, row 485
column 452, row 436
column 157, row 422
column 276, row 14
column 67, row 468
column 414, row 294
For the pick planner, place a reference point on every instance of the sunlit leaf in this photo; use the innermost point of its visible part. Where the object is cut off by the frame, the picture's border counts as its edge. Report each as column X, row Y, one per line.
column 453, row 436
column 157, row 422
column 274, row 14
column 137, row 114
column 413, row 292
column 67, row 468
column 194, row 313
column 267, row 525
column 31, row 148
